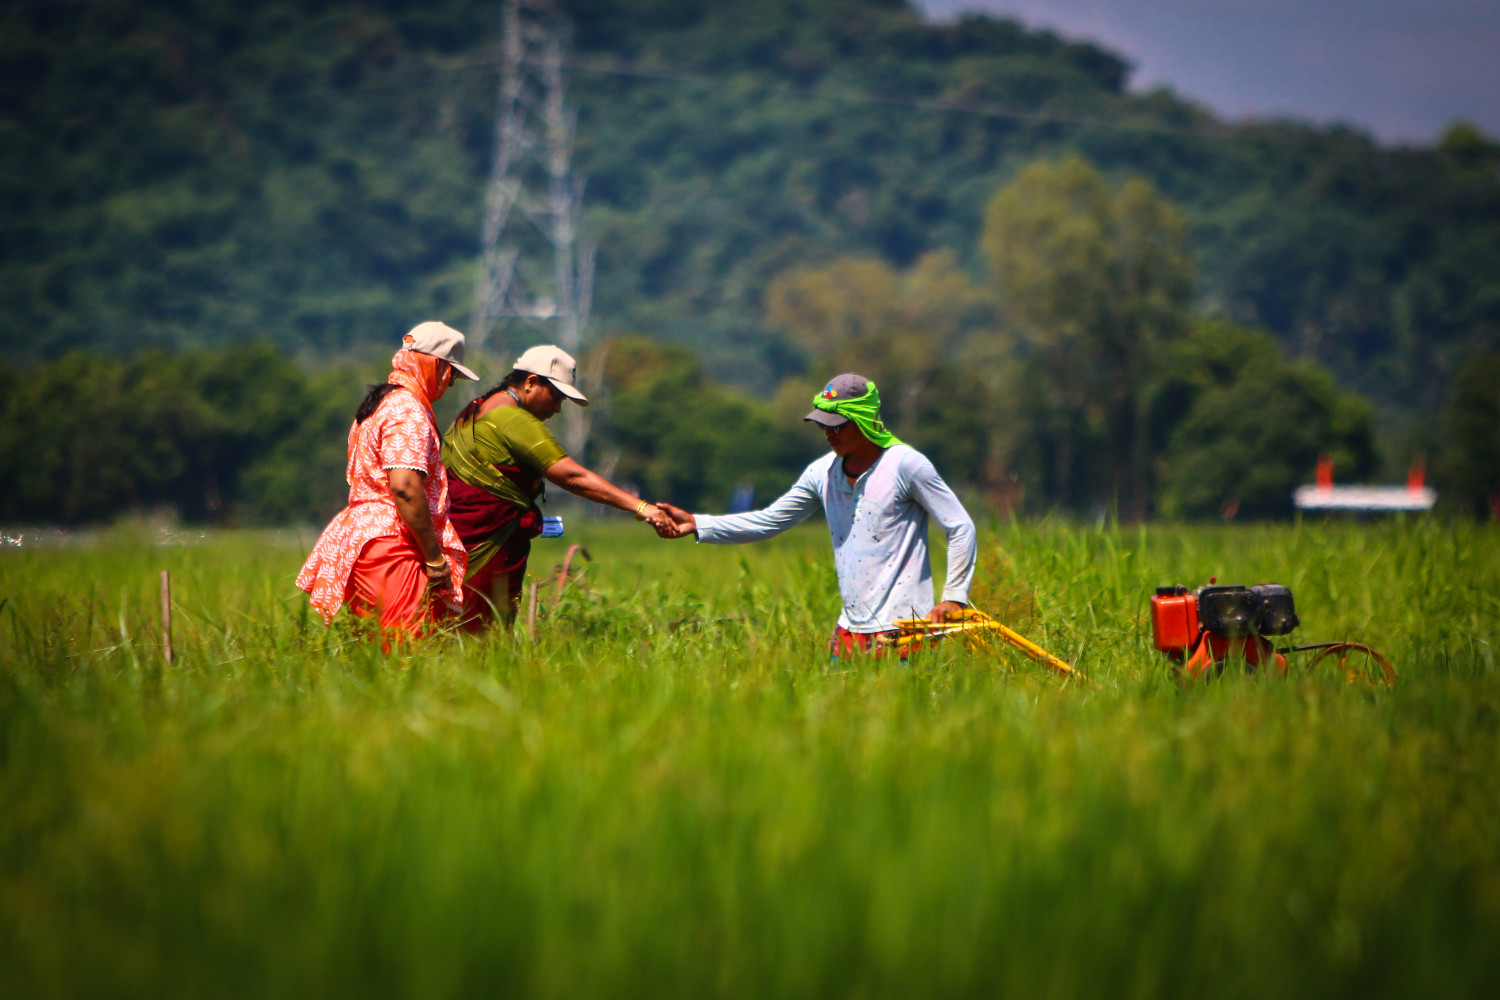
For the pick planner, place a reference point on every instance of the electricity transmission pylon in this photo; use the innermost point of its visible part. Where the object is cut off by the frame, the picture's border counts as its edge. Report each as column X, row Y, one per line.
column 534, row 201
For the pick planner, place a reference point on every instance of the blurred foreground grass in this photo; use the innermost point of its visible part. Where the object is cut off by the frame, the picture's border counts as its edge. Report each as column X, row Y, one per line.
column 674, row 793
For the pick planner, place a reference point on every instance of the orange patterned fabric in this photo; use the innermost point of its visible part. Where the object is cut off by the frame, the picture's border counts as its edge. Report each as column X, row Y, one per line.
column 400, row 434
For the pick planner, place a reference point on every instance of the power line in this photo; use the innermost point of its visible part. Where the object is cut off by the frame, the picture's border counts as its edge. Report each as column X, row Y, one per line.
column 927, row 104
column 401, row 81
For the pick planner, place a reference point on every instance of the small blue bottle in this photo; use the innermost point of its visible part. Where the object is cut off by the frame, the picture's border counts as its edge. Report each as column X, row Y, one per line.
column 552, row 527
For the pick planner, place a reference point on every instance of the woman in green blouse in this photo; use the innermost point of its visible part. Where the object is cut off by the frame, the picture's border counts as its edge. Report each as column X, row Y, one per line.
column 500, row 455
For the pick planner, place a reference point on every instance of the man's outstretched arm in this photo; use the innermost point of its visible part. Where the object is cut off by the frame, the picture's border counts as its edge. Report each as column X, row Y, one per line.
column 792, row 507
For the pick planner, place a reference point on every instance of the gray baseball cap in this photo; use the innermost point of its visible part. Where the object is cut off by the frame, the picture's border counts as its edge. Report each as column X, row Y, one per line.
column 846, row 386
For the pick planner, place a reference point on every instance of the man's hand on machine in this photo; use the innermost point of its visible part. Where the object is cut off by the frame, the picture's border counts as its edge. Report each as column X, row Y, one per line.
column 943, row 611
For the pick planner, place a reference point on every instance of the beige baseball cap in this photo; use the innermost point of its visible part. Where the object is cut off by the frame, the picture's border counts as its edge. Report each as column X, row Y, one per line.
column 441, row 341
column 556, row 366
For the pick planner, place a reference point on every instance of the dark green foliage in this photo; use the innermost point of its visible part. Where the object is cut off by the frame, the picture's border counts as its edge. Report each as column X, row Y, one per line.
column 299, row 475
column 1097, row 278
column 1239, row 427
column 1379, row 265
column 230, row 435
column 679, row 437
column 955, row 422
column 1472, row 452
column 200, row 172
column 245, row 435
column 197, row 173
column 708, row 184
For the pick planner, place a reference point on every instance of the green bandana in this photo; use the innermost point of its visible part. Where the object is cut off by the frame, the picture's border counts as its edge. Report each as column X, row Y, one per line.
column 863, row 410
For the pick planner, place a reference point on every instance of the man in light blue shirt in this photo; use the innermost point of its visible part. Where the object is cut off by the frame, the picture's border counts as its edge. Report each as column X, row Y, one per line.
column 878, row 495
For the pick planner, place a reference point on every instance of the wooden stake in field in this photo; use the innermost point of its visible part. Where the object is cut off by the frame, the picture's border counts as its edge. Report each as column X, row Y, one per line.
column 567, row 565
column 531, row 614
column 166, row 616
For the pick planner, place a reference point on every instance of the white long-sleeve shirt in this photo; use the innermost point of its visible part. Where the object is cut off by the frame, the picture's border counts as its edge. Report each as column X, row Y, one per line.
column 879, row 529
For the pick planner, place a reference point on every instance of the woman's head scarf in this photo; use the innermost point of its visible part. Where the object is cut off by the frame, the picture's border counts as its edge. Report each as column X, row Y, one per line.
column 422, row 373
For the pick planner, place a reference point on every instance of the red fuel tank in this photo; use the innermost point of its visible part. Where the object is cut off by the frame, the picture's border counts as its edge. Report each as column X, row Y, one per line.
column 1174, row 620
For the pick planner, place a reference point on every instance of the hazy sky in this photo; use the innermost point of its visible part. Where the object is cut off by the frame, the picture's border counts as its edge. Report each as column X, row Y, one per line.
column 1402, row 70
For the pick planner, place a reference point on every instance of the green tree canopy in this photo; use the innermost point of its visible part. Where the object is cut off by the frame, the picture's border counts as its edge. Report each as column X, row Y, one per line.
column 681, row 438
column 1472, row 443
column 1097, row 277
column 900, row 328
column 88, row 437
column 1247, row 426
column 200, row 172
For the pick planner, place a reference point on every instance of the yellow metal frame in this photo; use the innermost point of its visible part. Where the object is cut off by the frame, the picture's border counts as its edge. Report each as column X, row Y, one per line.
column 976, row 625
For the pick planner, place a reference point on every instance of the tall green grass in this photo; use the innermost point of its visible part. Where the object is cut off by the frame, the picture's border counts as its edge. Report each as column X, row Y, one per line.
column 673, row 792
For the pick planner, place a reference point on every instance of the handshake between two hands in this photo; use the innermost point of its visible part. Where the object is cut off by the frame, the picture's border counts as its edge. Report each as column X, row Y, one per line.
column 669, row 521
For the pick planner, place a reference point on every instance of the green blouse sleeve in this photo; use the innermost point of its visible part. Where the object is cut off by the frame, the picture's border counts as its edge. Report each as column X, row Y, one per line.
column 521, row 438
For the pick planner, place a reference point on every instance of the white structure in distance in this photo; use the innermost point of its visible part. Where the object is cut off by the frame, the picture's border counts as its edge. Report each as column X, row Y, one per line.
column 1323, row 495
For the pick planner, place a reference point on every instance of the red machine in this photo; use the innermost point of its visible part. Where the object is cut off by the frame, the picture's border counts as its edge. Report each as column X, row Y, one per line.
column 1202, row 630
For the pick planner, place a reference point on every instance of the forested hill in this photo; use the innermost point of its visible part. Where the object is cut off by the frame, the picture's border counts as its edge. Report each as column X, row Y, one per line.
column 195, row 172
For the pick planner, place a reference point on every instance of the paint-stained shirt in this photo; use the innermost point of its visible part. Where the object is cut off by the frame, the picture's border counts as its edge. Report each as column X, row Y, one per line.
column 879, row 530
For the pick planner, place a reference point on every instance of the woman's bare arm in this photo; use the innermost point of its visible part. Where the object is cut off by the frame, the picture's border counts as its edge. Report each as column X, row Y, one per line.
column 569, row 475
column 411, row 505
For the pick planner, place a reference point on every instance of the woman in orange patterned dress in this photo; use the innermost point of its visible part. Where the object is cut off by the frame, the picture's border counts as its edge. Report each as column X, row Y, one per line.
column 392, row 552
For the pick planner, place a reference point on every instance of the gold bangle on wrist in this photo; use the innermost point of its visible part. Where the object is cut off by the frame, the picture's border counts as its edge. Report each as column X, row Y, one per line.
column 440, row 564
column 640, row 507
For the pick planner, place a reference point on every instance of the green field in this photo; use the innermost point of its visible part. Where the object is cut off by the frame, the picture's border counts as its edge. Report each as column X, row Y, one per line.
column 674, row 793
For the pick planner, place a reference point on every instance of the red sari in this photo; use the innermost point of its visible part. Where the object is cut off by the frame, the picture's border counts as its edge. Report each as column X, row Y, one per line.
column 478, row 515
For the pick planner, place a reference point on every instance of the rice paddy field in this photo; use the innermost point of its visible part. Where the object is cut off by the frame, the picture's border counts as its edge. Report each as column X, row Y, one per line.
column 673, row 792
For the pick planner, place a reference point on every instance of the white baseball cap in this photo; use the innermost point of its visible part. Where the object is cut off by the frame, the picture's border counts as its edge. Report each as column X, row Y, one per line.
column 441, row 341
column 556, row 366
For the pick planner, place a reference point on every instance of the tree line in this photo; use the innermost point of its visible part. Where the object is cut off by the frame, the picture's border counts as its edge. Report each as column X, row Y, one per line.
column 1076, row 375
column 246, row 435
